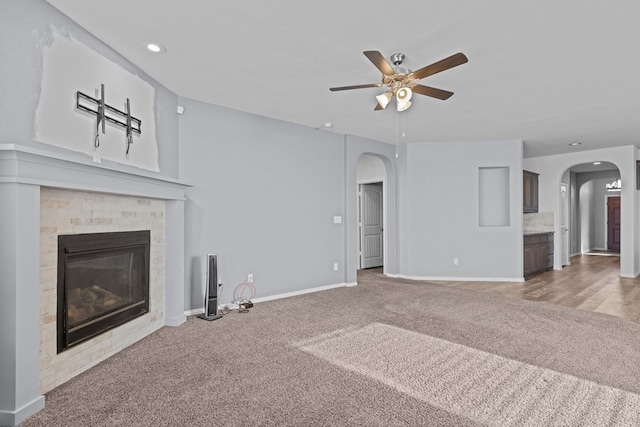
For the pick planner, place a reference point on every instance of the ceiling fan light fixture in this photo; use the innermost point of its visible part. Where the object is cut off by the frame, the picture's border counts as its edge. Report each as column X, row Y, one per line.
column 384, row 99
column 402, row 106
column 401, row 81
column 403, row 96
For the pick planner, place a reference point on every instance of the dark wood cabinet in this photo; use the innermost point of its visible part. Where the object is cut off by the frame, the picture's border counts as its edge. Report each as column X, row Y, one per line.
column 529, row 192
column 538, row 253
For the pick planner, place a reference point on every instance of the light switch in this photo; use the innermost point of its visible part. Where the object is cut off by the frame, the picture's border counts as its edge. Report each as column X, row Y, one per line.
column 337, row 220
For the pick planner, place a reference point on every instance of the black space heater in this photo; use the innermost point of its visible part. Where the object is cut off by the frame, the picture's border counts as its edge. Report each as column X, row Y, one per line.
column 211, row 291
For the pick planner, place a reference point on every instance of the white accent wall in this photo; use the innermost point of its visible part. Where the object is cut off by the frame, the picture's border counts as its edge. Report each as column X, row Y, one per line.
column 70, row 66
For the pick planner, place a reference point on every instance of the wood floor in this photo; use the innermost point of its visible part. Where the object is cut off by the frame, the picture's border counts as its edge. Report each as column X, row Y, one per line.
column 591, row 283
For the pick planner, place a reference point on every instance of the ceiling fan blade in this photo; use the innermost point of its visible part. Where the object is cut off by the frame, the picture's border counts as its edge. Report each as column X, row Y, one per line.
column 379, row 61
column 432, row 92
column 333, row 89
column 436, row 67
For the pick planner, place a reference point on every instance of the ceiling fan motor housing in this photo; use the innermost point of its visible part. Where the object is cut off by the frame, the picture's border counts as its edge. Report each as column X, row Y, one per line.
column 397, row 58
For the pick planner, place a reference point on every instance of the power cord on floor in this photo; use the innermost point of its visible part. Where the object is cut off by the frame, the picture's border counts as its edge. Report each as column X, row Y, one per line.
column 240, row 300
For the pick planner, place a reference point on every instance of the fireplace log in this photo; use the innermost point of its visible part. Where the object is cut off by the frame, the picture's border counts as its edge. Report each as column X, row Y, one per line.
column 91, row 301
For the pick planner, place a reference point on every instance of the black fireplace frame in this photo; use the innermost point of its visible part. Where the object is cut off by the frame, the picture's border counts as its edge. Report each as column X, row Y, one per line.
column 110, row 242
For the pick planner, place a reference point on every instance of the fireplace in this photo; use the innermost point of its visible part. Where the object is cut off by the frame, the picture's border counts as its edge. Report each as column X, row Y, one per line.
column 49, row 194
column 103, row 282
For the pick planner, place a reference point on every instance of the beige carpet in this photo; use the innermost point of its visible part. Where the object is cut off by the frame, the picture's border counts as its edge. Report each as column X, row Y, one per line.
column 490, row 389
column 387, row 352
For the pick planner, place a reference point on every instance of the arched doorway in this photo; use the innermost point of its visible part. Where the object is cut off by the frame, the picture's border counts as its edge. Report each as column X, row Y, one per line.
column 589, row 193
column 371, row 179
column 385, row 153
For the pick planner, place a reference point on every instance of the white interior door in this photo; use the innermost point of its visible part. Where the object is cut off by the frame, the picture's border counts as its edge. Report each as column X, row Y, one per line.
column 371, row 244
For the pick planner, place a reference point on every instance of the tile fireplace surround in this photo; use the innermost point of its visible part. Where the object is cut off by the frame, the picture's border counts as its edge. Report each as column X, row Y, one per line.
column 43, row 195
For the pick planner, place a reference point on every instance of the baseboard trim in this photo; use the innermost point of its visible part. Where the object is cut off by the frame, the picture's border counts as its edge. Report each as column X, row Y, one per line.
column 16, row 418
column 283, row 295
column 194, row 312
column 458, row 279
column 175, row 321
column 630, row 276
column 302, row 292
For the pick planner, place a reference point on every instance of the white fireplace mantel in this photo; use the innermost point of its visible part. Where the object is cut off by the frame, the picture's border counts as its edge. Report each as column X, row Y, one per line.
column 23, row 171
column 27, row 165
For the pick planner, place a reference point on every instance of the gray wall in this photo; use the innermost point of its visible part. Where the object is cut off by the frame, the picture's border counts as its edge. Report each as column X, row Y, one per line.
column 441, row 207
column 264, row 198
column 19, row 287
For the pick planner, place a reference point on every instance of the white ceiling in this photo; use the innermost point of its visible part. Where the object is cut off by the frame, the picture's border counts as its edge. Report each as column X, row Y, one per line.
column 549, row 72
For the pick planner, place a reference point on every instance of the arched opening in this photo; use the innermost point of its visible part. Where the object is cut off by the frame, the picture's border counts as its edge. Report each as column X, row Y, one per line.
column 590, row 210
column 371, row 212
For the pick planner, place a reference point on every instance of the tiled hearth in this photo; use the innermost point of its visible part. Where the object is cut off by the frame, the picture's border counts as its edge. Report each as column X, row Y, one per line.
column 75, row 212
column 44, row 194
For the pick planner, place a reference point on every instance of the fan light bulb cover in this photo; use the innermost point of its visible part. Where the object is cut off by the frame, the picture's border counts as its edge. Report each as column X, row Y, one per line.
column 402, row 98
column 384, row 99
column 402, row 106
column 404, row 94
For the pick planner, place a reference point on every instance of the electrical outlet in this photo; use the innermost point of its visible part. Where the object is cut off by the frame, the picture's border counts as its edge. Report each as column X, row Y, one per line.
column 250, row 278
column 456, row 261
column 335, row 266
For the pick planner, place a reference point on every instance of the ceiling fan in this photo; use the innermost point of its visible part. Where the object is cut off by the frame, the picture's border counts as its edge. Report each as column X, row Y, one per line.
column 402, row 82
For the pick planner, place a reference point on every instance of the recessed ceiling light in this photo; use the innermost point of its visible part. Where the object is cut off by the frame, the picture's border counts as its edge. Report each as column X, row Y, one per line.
column 156, row 48
column 573, row 144
column 327, row 125
column 597, row 163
